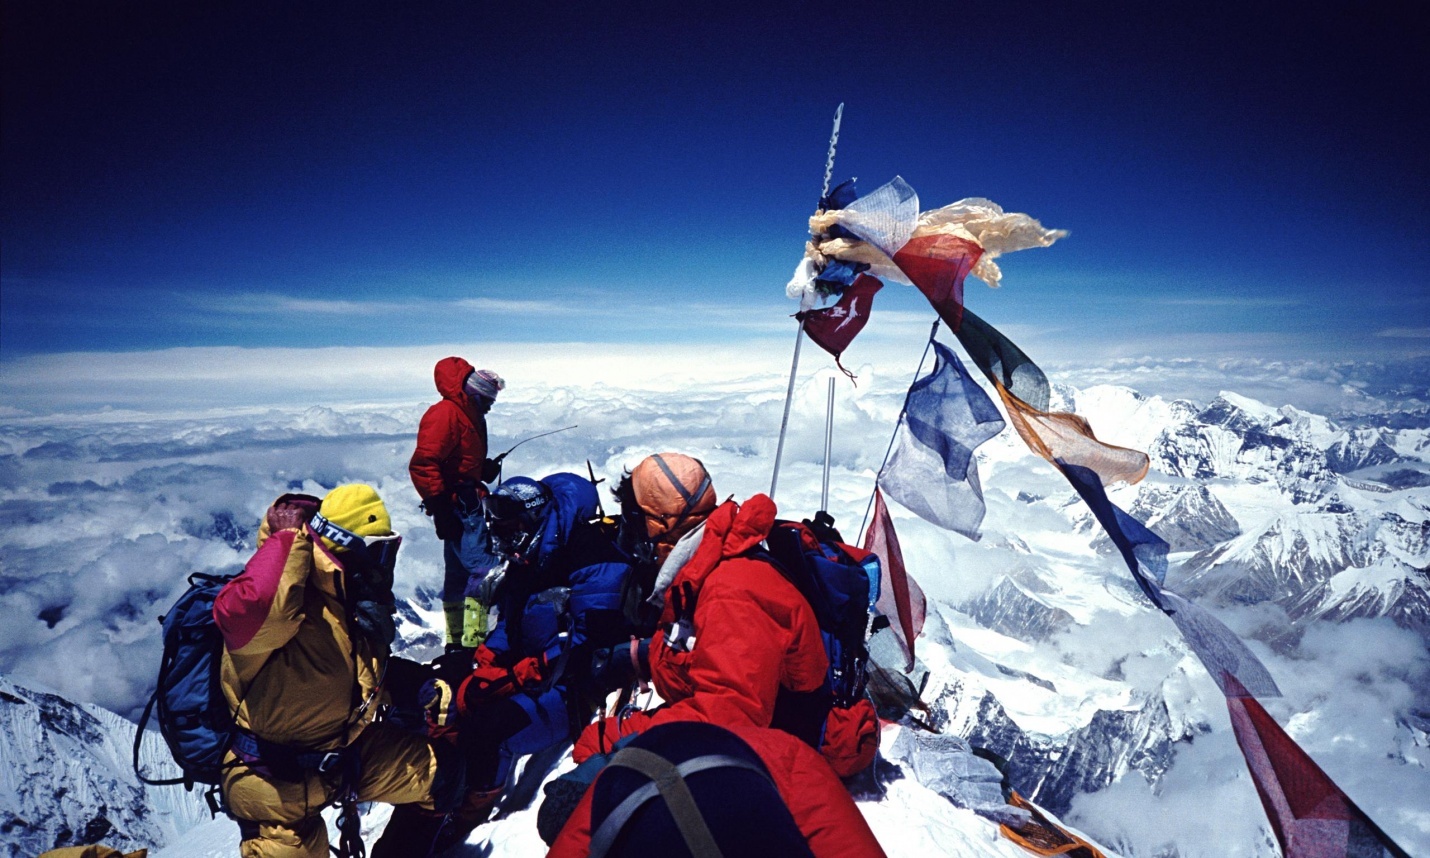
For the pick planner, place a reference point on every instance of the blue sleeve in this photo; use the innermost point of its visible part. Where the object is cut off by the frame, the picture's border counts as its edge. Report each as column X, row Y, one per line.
column 596, row 602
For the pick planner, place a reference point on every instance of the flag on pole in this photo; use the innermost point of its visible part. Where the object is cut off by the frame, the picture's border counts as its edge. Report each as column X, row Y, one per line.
column 900, row 598
column 833, row 328
column 932, row 470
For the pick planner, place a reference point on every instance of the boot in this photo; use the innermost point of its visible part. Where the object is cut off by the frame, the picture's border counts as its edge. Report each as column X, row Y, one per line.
column 410, row 832
column 461, row 822
column 454, row 616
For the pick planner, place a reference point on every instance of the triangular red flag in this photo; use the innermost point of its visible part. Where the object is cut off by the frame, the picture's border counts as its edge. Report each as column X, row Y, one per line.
column 1310, row 815
column 937, row 264
column 900, row 597
column 833, row 328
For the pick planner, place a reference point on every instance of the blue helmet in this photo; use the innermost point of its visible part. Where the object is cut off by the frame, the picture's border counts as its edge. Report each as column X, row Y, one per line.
column 515, row 513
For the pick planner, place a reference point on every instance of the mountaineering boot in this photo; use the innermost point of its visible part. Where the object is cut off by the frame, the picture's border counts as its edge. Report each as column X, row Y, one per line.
column 410, row 833
column 474, row 622
column 453, row 613
column 473, row 811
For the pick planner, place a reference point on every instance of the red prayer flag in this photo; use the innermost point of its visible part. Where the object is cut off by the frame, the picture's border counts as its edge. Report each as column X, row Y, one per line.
column 1311, row 816
column 937, row 264
column 900, row 597
column 834, row 328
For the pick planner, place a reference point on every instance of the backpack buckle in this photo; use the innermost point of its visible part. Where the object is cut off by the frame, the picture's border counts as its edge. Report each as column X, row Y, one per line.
column 330, row 762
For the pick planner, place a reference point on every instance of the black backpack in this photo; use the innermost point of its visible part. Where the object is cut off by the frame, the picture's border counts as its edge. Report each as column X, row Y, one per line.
column 688, row 786
column 194, row 717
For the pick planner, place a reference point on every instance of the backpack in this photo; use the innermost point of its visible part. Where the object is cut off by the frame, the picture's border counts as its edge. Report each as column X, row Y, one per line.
column 680, row 788
column 194, row 718
column 841, row 584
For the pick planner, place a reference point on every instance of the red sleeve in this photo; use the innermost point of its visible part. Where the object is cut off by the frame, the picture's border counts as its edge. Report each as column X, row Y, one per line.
column 734, row 669
column 243, row 605
column 437, row 437
column 818, row 801
column 600, row 735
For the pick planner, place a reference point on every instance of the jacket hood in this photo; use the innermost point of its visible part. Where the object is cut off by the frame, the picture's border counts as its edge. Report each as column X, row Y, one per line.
column 731, row 530
column 449, row 374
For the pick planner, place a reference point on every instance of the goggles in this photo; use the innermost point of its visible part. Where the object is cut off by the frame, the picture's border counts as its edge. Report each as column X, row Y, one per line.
column 381, row 551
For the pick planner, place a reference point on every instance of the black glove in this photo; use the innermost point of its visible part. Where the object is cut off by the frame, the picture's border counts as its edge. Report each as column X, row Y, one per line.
column 444, row 518
column 377, row 621
column 491, row 468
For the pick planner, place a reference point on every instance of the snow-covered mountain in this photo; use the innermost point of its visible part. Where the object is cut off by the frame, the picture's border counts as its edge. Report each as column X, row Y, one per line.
column 1306, row 534
column 66, row 778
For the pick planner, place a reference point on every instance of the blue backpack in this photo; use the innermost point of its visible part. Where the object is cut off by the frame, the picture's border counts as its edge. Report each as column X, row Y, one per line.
column 841, row 584
column 194, row 718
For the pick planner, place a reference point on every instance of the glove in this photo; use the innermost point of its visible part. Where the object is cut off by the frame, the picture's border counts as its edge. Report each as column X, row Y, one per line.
column 529, row 671
column 444, row 518
column 483, row 586
column 491, row 468
column 291, row 512
column 377, row 621
column 823, row 527
column 612, row 667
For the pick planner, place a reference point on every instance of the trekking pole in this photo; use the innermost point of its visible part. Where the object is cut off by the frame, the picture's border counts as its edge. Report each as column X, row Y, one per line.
column 932, row 331
column 799, row 333
column 828, row 444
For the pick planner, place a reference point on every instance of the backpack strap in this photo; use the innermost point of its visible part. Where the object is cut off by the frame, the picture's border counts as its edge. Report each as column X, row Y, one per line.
column 667, row 781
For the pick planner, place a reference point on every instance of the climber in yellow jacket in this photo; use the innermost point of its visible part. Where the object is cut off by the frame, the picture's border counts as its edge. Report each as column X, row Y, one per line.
column 307, row 628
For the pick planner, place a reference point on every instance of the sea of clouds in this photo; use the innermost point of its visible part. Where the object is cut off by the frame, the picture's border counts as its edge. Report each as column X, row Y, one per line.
column 122, row 474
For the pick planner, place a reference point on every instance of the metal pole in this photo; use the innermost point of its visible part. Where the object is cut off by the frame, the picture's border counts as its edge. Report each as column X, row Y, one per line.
column 799, row 334
column 789, row 398
column 828, row 444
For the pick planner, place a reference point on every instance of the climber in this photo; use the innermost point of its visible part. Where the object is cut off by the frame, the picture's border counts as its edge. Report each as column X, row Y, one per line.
column 307, row 628
column 449, row 468
column 528, row 686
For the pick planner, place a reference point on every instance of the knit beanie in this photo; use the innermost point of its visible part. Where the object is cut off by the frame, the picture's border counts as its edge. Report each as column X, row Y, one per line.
column 484, row 383
column 357, row 509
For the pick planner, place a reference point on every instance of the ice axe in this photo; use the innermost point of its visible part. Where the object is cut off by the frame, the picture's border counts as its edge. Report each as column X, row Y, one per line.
column 499, row 458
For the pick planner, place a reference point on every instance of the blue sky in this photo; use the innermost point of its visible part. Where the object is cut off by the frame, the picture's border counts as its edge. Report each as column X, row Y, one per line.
column 366, row 174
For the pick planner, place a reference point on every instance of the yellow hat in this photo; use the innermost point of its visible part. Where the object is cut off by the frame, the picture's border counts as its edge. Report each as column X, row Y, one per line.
column 357, row 509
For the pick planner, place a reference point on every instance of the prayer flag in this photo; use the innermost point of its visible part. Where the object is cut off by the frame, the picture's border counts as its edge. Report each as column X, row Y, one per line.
column 834, row 328
column 900, row 598
column 1310, row 815
column 937, row 265
column 933, row 471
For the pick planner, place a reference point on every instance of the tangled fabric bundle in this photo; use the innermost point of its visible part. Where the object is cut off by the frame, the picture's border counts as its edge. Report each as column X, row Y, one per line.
column 873, row 228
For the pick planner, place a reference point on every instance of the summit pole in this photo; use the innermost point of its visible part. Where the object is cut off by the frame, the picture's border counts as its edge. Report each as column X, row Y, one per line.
column 799, row 333
column 828, row 447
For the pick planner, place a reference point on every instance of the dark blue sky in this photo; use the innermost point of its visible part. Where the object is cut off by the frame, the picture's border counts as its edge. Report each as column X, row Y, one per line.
column 346, row 173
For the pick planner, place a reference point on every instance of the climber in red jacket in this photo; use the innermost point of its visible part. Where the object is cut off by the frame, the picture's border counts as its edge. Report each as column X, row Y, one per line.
column 780, row 800
column 448, row 469
column 733, row 632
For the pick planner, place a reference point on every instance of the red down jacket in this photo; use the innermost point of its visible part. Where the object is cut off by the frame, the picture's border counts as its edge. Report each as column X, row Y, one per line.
column 754, row 633
column 819, row 803
column 452, row 437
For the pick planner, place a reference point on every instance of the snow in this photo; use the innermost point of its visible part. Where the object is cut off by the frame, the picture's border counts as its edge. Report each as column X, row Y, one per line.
column 106, row 513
